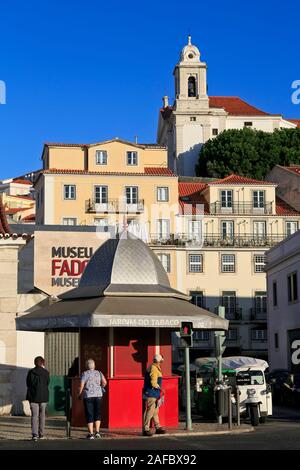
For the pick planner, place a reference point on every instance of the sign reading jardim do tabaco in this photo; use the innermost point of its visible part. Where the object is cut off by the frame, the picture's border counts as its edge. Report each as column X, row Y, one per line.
column 60, row 257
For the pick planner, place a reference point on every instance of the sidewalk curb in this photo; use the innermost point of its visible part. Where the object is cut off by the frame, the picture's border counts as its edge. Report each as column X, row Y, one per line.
column 205, row 433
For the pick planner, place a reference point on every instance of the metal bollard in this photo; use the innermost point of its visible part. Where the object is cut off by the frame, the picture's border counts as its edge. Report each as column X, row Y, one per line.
column 229, row 409
column 68, row 407
column 238, row 409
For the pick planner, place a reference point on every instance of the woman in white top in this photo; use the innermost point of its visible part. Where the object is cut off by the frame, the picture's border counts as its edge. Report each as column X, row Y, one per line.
column 91, row 389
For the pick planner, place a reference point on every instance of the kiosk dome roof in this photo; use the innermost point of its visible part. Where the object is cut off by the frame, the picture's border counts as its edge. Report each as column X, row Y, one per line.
column 121, row 266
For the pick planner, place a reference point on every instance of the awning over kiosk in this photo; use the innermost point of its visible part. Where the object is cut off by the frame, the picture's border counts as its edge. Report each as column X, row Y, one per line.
column 120, row 311
column 124, row 284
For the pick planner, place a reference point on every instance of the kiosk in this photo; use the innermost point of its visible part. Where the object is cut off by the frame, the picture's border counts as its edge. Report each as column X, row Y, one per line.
column 125, row 312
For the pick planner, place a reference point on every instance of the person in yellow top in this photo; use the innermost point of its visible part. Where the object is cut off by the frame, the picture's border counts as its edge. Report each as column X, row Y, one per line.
column 152, row 392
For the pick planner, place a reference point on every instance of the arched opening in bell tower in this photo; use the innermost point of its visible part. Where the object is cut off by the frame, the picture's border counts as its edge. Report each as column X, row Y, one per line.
column 191, row 87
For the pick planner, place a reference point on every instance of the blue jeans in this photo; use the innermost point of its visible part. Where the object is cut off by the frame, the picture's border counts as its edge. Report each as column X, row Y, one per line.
column 92, row 408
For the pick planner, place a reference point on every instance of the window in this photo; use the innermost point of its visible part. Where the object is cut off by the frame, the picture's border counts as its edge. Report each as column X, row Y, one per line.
column 162, row 194
column 291, row 227
column 231, row 335
column 193, row 118
column 260, row 300
column 197, row 298
column 101, row 194
column 226, row 198
column 165, row 260
column 201, row 335
column 248, row 124
column 229, row 302
column 259, row 335
column 274, row 294
column 132, row 158
column 191, row 87
column 195, row 263
column 163, row 228
column 228, row 263
column 276, row 341
column 259, row 263
column 69, row 191
column 101, row 157
column 258, row 199
column 292, row 287
column 227, row 228
column 132, row 194
column 102, row 223
column 69, row 221
column 259, row 229
column 194, row 228
column 215, row 132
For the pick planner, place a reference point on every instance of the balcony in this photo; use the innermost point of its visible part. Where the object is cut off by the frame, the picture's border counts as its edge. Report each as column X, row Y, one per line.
column 114, row 206
column 210, row 241
column 241, row 208
column 232, row 313
column 259, row 314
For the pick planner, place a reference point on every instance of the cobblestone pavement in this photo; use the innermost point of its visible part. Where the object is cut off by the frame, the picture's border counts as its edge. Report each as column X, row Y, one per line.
column 18, row 428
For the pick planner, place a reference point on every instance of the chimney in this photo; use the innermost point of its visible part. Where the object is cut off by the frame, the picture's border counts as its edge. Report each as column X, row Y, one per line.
column 166, row 101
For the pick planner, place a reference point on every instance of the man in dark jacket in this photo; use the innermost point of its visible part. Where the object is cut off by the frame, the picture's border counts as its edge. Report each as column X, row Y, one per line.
column 38, row 395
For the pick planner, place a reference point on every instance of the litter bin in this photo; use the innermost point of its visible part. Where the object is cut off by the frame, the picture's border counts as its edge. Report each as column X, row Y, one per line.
column 57, row 395
column 222, row 399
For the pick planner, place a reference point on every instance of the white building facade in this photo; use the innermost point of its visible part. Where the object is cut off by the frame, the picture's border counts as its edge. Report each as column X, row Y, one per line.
column 283, row 287
column 195, row 117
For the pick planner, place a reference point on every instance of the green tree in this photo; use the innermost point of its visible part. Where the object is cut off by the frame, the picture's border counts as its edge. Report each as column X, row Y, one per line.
column 248, row 152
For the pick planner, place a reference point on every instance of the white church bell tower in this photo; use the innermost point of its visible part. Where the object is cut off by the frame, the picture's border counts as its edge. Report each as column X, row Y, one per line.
column 186, row 125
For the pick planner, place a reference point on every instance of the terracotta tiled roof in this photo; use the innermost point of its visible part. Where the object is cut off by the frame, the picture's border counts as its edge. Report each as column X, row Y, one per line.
column 20, row 181
column 191, row 190
column 159, row 171
column 148, row 171
column 15, row 210
column 235, row 106
column 293, row 168
column 4, row 227
column 29, row 218
column 236, row 179
column 29, row 198
column 295, row 121
column 191, row 201
column 127, row 142
column 282, row 208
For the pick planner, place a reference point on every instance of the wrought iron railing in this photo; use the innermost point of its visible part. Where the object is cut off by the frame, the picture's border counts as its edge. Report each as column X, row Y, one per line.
column 239, row 241
column 241, row 208
column 232, row 313
column 114, row 206
column 258, row 313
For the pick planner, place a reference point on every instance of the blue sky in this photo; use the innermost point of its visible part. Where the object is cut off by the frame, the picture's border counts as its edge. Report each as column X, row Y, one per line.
column 86, row 71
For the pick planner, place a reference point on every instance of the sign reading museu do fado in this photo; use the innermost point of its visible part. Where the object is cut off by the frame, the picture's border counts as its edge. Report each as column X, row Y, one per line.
column 68, row 264
column 61, row 256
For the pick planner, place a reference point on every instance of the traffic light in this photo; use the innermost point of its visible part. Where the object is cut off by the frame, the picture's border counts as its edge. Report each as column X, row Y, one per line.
column 186, row 328
column 186, row 334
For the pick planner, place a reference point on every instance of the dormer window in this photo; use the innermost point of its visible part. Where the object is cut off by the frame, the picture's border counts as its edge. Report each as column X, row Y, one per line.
column 191, row 87
column 101, row 157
